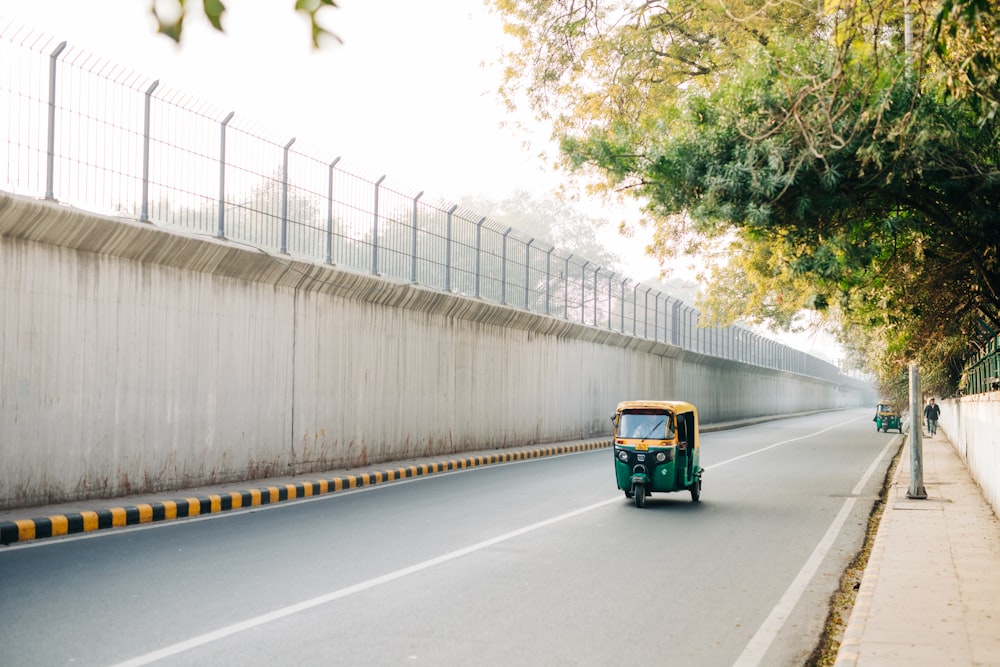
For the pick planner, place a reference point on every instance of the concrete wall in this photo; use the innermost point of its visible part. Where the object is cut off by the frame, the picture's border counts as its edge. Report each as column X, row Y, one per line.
column 971, row 424
column 136, row 359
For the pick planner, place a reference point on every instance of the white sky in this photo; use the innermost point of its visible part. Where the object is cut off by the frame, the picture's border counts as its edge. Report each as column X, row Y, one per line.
column 411, row 93
column 405, row 94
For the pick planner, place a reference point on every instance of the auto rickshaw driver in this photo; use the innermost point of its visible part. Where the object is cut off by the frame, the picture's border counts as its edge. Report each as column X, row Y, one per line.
column 657, row 426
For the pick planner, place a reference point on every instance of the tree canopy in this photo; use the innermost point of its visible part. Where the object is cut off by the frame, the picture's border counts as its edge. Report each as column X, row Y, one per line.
column 844, row 157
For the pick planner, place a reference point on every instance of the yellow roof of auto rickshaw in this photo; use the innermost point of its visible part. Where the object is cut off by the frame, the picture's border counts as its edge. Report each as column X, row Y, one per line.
column 673, row 406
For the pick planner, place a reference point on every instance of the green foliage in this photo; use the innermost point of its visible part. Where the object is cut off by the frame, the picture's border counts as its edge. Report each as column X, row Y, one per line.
column 850, row 175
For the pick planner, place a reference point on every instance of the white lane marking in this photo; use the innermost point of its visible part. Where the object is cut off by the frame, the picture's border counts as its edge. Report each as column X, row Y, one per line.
column 278, row 614
column 221, row 633
column 779, row 444
column 759, row 644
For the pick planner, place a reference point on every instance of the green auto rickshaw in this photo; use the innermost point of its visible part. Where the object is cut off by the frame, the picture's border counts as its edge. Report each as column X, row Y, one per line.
column 887, row 417
column 656, row 448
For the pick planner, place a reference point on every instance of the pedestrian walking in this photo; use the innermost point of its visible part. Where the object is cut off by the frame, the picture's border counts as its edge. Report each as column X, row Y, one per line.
column 931, row 413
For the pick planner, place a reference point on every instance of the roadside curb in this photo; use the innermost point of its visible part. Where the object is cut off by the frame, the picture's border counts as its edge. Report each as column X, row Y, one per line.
column 57, row 525
column 850, row 644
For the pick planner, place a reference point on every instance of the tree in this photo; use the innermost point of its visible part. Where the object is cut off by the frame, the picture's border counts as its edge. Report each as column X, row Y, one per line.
column 170, row 15
column 843, row 171
column 966, row 33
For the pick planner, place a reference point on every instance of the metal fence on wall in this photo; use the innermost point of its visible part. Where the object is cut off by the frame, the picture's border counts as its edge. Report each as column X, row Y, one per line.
column 983, row 372
column 87, row 132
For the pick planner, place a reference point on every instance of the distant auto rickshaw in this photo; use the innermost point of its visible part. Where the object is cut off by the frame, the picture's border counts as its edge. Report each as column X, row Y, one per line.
column 656, row 449
column 887, row 417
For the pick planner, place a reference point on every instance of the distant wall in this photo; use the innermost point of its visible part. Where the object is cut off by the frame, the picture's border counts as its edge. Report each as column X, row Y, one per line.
column 136, row 359
column 971, row 423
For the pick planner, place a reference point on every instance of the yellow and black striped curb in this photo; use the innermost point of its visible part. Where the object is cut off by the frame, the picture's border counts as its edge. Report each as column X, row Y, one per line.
column 23, row 530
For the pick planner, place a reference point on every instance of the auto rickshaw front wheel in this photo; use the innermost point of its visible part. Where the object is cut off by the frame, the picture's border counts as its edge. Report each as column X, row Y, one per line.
column 639, row 491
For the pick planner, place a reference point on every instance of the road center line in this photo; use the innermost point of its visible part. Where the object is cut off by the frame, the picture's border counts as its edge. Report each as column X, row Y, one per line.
column 779, row 444
column 256, row 621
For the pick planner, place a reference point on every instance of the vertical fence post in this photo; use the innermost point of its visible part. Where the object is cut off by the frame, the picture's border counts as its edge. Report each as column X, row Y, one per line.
column 596, row 271
column 656, row 316
column 610, row 278
column 694, row 340
column 50, row 156
column 220, row 230
column 447, row 249
column 527, row 271
column 668, row 323
column 413, row 250
column 144, row 210
column 284, row 198
column 645, row 314
column 675, row 330
column 503, row 268
column 329, row 213
column 624, row 280
column 375, row 228
column 548, row 279
column 635, row 308
column 566, row 290
column 583, row 292
column 479, row 248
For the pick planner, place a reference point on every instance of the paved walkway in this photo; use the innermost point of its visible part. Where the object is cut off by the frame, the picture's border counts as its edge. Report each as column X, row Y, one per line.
column 930, row 594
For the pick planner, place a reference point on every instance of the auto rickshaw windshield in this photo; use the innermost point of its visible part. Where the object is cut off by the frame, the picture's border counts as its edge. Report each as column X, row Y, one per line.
column 646, row 424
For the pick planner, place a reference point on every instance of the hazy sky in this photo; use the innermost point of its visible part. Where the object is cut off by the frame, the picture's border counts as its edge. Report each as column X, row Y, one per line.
column 406, row 94
column 411, row 93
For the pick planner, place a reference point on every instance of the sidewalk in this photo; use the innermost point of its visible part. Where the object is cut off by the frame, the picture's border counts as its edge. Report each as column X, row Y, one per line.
column 930, row 594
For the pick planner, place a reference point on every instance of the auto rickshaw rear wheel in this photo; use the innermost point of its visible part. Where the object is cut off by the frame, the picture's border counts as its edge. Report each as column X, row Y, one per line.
column 695, row 491
column 639, row 491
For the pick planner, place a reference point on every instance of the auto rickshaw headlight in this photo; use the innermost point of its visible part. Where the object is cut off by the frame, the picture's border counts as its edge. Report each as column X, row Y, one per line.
column 622, row 455
column 661, row 457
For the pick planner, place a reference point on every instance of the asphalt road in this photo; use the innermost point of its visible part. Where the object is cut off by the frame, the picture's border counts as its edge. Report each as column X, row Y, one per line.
column 541, row 562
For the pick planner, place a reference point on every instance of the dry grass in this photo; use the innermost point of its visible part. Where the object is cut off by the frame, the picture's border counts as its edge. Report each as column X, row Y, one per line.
column 842, row 601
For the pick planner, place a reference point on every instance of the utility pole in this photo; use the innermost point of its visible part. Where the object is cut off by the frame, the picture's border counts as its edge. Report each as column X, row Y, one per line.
column 916, row 489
